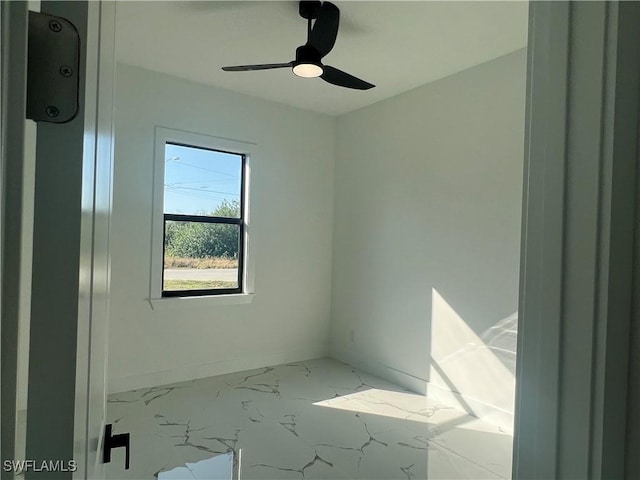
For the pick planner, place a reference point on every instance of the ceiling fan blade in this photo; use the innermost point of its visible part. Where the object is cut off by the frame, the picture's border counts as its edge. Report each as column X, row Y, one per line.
column 264, row 66
column 325, row 29
column 343, row 79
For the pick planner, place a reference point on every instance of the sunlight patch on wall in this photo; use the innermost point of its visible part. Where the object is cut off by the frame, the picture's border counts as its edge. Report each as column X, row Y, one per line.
column 462, row 362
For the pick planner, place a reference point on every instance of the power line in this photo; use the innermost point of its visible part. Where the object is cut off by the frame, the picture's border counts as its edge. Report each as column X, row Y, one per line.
column 205, row 169
column 203, row 190
column 206, row 180
column 195, row 195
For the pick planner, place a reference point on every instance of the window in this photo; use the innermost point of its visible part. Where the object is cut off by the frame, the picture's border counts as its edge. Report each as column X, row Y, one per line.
column 203, row 220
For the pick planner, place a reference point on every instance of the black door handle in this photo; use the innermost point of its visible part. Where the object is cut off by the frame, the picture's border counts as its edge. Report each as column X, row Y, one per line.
column 115, row 441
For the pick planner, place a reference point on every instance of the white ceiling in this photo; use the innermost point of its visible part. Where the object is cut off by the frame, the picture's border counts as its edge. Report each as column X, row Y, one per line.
column 396, row 45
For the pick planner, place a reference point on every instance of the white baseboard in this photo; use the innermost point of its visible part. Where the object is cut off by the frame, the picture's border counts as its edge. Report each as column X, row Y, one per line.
column 477, row 408
column 403, row 379
column 192, row 372
column 472, row 406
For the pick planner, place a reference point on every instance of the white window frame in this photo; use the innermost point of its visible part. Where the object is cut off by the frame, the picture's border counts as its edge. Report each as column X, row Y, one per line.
column 164, row 135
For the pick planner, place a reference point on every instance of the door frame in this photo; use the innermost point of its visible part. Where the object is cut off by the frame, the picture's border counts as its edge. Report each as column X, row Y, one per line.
column 70, row 273
column 95, row 258
column 575, row 292
column 576, row 274
column 13, row 47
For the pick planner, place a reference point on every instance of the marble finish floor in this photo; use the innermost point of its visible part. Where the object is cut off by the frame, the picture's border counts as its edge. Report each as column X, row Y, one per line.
column 317, row 419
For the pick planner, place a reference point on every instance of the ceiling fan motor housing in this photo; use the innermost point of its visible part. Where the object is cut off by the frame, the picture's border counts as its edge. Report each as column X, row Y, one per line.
column 307, row 54
column 309, row 9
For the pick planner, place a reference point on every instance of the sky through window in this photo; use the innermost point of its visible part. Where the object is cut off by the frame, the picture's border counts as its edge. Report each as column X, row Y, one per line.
column 196, row 180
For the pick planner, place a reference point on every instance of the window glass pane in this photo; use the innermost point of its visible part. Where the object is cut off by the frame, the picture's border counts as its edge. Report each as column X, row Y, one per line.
column 200, row 255
column 198, row 181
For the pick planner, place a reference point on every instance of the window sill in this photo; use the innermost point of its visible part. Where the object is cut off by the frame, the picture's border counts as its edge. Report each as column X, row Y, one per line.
column 203, row 301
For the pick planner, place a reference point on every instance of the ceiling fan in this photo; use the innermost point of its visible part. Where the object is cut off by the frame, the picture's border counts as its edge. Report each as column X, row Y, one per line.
column 321, row 37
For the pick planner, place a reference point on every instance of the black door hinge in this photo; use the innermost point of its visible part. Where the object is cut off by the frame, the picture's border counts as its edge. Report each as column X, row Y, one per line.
column 53, row 69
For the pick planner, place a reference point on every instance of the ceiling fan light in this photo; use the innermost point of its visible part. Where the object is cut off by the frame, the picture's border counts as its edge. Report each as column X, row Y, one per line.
column 307, row 70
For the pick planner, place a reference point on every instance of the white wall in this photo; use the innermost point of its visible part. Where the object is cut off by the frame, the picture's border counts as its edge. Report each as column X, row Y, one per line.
column 292, row 210
column 428, row 202
column 426, row 232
